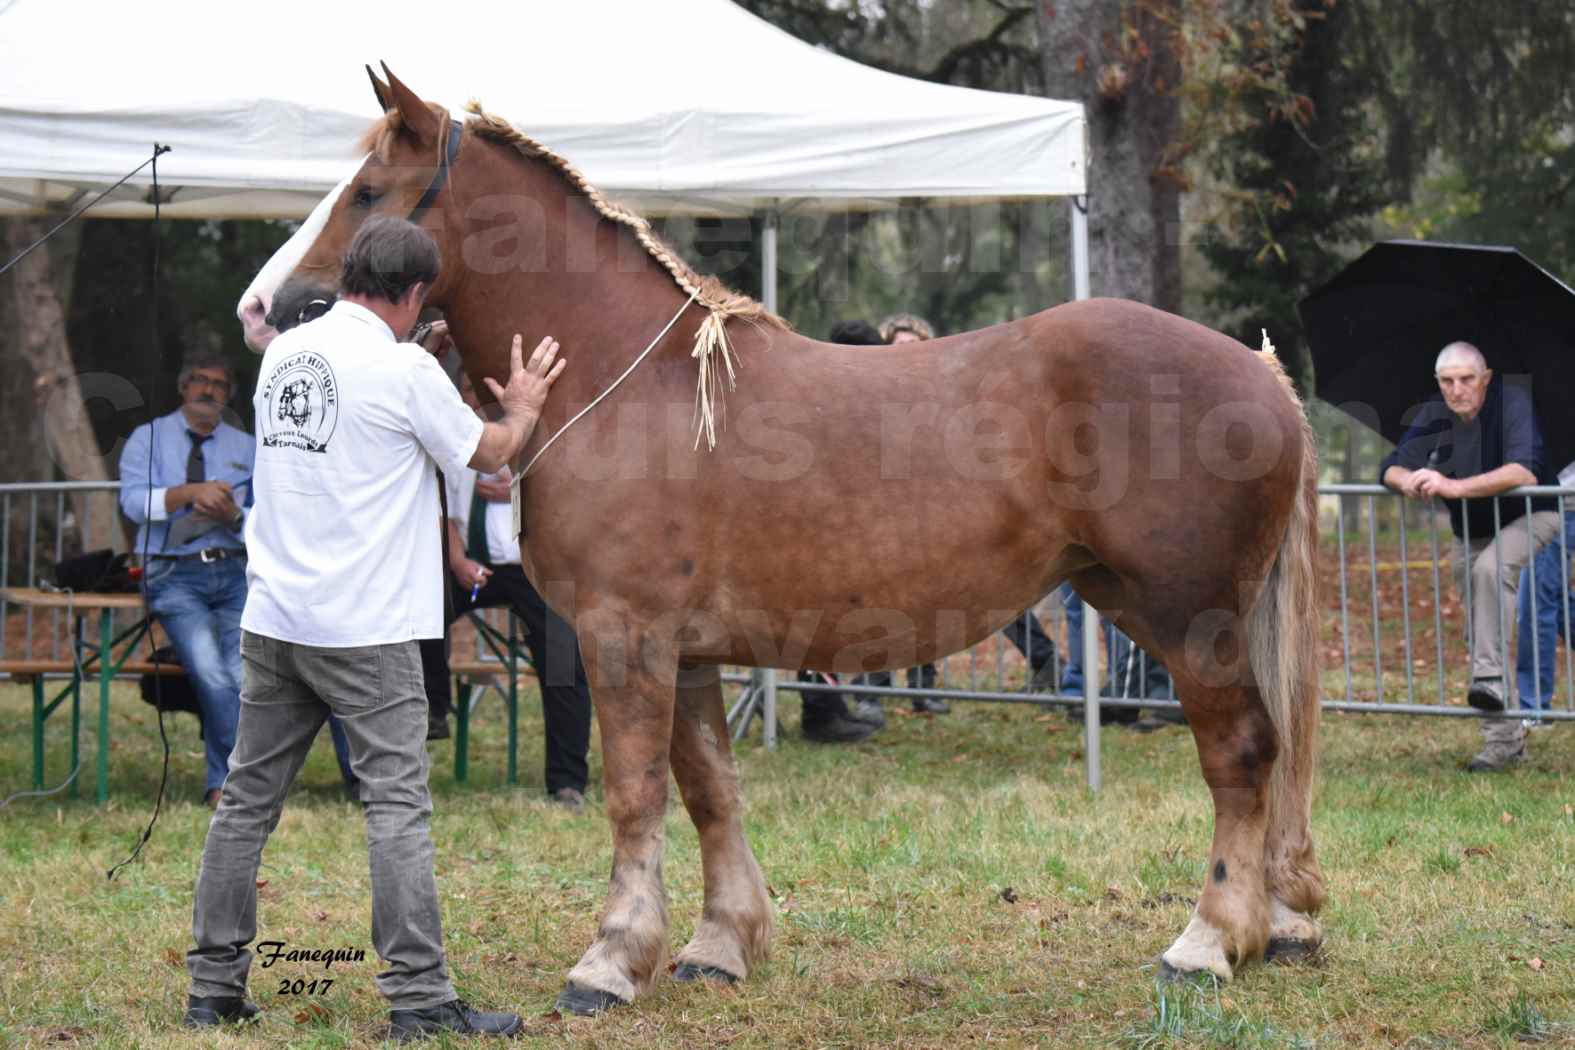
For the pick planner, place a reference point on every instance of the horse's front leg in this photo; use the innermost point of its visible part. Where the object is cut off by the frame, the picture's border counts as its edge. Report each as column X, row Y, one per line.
column 633, row 689
column 735, row 924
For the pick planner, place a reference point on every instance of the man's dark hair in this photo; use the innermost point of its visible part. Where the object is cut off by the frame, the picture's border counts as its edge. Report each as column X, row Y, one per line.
column 388, row 256
column 855, row 333
column 203, row 359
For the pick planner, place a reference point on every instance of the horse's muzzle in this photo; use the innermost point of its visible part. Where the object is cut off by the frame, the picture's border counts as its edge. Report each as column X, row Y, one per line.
column 299, row 301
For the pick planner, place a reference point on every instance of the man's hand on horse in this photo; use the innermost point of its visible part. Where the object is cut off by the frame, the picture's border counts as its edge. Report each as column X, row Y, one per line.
column 529, row 381
column 496, row 490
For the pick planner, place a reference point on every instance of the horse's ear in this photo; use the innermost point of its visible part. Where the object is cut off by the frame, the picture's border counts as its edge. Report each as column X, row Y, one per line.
column 419, row 121
column 380, row 89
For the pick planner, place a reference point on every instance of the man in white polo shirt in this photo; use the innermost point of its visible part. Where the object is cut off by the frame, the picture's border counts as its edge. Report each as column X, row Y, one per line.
column 345, row 575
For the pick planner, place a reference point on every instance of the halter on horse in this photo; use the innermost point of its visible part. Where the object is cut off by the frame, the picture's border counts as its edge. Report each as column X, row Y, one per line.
column 1163, row 468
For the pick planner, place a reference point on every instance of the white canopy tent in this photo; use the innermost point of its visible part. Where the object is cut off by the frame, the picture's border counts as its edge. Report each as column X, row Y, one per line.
column 675, row 106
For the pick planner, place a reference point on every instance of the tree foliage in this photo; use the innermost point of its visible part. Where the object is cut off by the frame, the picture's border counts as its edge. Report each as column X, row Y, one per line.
column 1300, row 184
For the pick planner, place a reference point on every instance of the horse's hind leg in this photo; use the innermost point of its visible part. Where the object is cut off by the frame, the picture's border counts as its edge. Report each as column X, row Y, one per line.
column 735, row 925
column 1237, row 746
column 634, row 710
column 1295, row 883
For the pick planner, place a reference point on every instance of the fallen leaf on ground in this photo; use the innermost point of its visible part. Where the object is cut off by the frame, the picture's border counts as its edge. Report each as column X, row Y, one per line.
column 1009, row 895
column 1506, row 817
column 1535, row 964
column 1479, row 851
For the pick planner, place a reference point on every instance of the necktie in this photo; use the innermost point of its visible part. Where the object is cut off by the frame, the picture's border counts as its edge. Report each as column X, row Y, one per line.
column 196, row 471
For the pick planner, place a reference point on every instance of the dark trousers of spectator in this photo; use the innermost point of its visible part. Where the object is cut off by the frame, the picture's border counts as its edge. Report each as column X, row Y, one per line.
column 555, row 654
column 1029, row 636
column 821, row 708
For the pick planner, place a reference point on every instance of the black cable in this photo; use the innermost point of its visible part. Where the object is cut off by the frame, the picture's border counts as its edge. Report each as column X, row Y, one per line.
column 76, row 652
column 147, row 517
column 157, row 152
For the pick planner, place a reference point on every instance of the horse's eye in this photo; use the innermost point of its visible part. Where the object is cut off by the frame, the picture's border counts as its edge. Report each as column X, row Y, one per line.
column 365, row 198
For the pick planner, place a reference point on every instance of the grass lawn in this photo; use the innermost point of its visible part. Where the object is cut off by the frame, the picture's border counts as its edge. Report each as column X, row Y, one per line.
column 948, row 883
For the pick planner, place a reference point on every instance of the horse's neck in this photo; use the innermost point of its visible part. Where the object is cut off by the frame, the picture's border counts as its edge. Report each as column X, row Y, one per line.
column 602, row 320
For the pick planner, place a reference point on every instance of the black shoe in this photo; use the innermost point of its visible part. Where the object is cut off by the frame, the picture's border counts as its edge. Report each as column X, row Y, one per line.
column 437, row 728
column 1118, row 716
column 452, row 1016
column 868, row 710
column 210, row 1011
column 931, row 705
column 568, row 798
column 837, row 730
column 1486, row 694
column 1043, row 680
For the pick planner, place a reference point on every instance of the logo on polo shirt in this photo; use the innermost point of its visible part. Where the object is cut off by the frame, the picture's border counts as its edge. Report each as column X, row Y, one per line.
column 300, row 404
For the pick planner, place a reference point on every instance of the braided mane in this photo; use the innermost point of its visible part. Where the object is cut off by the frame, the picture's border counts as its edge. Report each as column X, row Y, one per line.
column 720, row 302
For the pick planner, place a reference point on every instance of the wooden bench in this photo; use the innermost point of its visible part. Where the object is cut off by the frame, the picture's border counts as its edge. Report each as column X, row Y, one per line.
column 466, row 672
column 511, row 663
column 110, row 657
column 23, row 672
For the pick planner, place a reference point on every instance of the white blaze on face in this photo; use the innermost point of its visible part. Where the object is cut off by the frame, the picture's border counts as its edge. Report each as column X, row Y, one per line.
column 258, row 297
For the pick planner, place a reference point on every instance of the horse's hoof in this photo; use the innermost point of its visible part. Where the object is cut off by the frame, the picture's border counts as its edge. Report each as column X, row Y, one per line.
column 1289, row 950
column 1170, row 975
column 586, row 1002
column 688, row 972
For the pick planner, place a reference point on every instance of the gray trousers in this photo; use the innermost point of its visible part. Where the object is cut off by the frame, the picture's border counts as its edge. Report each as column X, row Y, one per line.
column 1495, row 567
column 287, row 691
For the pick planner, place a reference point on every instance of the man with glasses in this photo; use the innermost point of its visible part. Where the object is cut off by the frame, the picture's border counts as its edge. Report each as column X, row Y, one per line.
column 1478, row 440
column 186, row 483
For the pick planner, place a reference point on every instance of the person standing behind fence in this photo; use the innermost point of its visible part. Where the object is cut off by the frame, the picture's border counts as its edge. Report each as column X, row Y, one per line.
column 894, row 331
column 1537, row 634
column 484, row 560
column 1479, row 439
column 185, row 479
column 826, row 717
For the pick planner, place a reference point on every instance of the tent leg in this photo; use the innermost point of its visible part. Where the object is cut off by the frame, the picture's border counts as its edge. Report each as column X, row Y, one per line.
column 768, row 260
column 1079, row 207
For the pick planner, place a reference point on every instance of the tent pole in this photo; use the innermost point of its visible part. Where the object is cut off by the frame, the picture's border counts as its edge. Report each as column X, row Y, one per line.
column 1091, row 647
column 767, row 676
column 1079, row 247
column 768, row 259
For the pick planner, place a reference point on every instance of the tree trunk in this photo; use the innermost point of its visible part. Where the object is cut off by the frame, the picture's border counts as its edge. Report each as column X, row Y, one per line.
column 1121, row 59
column 40, row 325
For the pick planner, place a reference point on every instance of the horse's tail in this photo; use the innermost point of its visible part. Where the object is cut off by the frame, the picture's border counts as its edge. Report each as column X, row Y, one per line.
column 1284, row 654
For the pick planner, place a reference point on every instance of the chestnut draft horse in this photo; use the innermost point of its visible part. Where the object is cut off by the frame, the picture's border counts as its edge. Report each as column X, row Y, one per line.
column 859, row 510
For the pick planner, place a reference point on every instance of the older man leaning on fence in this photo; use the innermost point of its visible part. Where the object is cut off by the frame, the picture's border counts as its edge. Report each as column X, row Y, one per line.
column 1480, row 440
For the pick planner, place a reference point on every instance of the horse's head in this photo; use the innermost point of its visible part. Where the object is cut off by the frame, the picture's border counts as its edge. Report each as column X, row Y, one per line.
column 405, row 171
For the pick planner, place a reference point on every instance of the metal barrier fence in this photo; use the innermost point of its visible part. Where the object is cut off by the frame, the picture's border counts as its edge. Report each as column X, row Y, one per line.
column 1383, row 628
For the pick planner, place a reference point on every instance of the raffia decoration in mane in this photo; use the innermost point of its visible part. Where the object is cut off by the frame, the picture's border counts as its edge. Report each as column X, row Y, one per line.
column 712, row 349
column 1271, row 357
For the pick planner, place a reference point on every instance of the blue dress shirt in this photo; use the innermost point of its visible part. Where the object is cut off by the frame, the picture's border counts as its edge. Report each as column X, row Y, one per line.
column 227, row 455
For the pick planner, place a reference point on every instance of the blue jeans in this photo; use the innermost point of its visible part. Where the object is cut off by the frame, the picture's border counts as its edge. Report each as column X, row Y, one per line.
column 1534, row 667
column 342, row 751
column 1072, row 670
column 199, row 606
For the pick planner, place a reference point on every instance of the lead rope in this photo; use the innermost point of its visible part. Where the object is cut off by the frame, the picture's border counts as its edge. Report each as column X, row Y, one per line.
column 514, row 482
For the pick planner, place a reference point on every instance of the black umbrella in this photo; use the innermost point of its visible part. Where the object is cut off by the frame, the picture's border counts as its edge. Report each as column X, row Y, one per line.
column 1375, row 331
